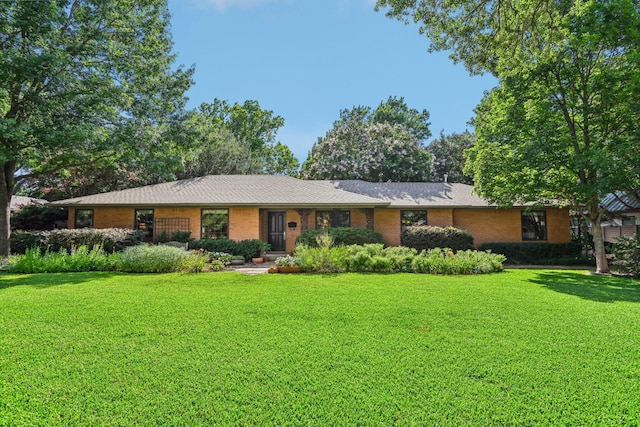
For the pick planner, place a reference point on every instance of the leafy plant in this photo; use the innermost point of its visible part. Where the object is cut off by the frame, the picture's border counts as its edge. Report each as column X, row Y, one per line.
column 288, row 261
column 626, row 255
column 425, row 237
column 341, row 236
column 63, row 261
column 110, row 239
column 153, row 259
column 538, row 253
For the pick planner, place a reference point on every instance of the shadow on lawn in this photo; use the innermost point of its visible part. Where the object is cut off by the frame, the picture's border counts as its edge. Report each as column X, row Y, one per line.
column 45, row 280
column 591, row 287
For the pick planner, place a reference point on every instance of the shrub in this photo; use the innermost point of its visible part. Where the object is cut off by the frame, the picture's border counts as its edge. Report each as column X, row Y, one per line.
column 425, row 237
column 110, row 239
column 215, row 245
column 217, row 265
column 626, row 255
column 376, row 258
column 288, row 261
column 180, row 236
column 152, row 259
column 538, row 253
column 63, row 261
column 39, row 218
column 342, row 236
column 194, row 263
column 251, row 248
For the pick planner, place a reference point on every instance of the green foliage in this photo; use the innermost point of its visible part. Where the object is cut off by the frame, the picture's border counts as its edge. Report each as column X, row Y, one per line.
column 340, row 236
column 561, row 125
column 448, row 157
column 377, row 258
column 429, row 237
column 77, row 260
column 217, row 265
column 252, row 248
column 538, row 253
column 39, row 218
column 626, row 253
column 158, row 259
column 180, row 236
column 86, row 85
column 249, row 248
column 374, row 152
column 251, row 125
column 288, row 261
column 216, row 245
column 110, row 239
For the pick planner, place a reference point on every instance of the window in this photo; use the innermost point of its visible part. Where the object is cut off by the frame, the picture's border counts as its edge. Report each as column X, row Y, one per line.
column 628, row 220
column 409, row 218
column 215, row 224
column 84, row 218
column 144, row 221
column 534, row 225
column 333, row 218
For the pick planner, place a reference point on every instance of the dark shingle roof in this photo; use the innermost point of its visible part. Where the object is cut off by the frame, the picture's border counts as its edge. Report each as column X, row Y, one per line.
column 415, row 194
column 229, row 190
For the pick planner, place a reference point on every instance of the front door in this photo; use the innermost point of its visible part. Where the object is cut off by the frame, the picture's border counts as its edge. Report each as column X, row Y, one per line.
column 277, row 231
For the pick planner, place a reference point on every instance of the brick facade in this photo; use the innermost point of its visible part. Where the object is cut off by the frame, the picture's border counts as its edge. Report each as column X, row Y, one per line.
column 484, row 224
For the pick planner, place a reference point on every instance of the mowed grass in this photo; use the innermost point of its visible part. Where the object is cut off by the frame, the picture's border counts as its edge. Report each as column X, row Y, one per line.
column 524, row 347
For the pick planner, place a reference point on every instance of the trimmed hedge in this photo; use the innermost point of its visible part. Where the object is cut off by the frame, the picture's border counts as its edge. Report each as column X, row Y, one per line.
column 248, row 249
column 539, row 253
column 426, row 237
column 109, row 239
column 626, row 256
column 342, row 236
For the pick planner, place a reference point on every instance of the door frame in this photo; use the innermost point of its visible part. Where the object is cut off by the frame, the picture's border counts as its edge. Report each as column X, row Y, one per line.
column 271, row 232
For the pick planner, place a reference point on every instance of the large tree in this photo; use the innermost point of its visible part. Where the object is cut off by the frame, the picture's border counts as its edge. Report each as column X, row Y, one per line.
column 83, row 82
column 251, row 124
column 562, row 125
column 374, row 152
column 449, row 157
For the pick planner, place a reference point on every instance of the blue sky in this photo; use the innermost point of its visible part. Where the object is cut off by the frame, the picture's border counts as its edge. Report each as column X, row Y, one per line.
column 307, row 59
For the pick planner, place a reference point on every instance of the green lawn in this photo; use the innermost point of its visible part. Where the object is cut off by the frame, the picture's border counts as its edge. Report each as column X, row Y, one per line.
column 524, row 347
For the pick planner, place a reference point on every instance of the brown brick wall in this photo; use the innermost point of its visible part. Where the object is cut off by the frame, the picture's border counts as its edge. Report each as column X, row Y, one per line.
column 112, row 217
column 505, row 225
column 387, row 222
column 440, row 217
column 244, row 223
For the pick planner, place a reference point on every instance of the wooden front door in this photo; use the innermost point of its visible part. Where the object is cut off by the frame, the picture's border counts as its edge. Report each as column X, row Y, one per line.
column 277, row 231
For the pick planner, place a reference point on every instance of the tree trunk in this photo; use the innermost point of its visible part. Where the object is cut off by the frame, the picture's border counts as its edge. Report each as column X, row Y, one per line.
column 602, row 265
column 6, row 191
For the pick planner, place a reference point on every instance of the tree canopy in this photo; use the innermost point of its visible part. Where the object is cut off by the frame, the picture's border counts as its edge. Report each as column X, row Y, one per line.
column 83, row 82
column 562, row 124
column 449, row 157
column 378, row 145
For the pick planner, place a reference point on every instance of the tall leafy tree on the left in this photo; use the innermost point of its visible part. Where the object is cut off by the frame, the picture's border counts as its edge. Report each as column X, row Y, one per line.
column 83, row 82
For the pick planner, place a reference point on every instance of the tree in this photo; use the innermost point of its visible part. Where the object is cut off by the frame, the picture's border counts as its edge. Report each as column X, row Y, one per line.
column 562, row 124
column 250, row 124
column 448, row 157
column 220, row 154
column 83, row 82
column 374, row 152
column 394, row 111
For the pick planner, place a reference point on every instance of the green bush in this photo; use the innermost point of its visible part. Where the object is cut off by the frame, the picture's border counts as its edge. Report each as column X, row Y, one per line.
column 626, row 256
column 215, row 245
column 539, row 253
column 155, row 259
column 110, row 239
column 342, row 236
column 39, row 218
column 376, row 258
column 425, row 237
column 63, row 261
column 194, row 263
column 251, row 248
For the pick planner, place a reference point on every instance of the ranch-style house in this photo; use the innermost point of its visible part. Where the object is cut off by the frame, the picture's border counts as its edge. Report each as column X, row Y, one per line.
column 276, row 209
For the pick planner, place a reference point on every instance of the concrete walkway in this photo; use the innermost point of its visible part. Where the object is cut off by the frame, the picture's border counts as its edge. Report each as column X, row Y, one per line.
column 251, row 268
